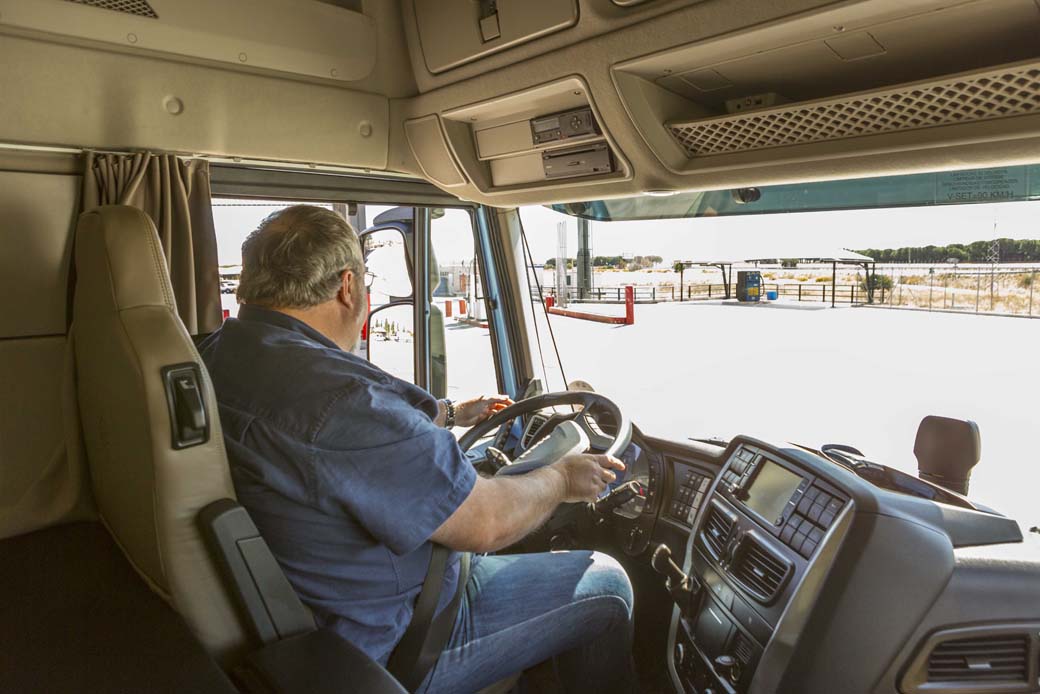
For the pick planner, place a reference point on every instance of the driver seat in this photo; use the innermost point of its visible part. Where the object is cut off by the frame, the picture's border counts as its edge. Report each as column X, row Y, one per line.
column 161, row 478
column 125, row 331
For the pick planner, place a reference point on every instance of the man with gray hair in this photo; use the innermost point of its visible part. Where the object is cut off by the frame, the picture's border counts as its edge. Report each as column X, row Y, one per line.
column 352, row 474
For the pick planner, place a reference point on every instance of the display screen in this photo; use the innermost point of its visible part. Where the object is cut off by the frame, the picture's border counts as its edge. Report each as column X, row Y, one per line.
column 771, row 490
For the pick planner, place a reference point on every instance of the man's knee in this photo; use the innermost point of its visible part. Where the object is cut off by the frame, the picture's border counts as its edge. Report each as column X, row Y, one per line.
column 605, row 577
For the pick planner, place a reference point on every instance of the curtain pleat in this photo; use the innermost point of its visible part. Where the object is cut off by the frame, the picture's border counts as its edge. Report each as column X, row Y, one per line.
column 175, row 193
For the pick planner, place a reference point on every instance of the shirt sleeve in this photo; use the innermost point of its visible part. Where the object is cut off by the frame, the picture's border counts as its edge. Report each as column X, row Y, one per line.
column 388, row 465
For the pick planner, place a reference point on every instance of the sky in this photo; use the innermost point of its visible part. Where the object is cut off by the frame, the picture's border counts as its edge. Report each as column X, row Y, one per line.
column 802, row 234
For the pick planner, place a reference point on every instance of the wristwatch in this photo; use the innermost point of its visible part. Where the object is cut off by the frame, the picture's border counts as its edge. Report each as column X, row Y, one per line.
column 449, row 410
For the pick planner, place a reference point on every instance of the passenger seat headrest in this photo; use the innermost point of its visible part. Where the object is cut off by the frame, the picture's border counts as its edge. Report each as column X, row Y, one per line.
column 946, row 450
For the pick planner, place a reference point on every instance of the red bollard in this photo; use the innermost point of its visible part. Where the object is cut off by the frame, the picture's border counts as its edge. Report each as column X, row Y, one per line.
column 630, row 305
column 550, row 301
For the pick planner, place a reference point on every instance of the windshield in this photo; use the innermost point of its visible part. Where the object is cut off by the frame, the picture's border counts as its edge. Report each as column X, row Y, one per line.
column 1004, row 184
column 843, row 326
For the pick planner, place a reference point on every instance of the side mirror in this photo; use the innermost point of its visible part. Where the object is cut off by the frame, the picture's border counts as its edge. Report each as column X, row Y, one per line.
column 391, row 340
column 385, row 258
column 946, row 450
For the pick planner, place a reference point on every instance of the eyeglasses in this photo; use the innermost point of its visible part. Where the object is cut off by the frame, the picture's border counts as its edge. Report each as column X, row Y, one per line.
column 370, row 277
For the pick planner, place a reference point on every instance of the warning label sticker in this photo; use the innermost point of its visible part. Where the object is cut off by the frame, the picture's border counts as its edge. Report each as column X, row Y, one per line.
column 985, row 185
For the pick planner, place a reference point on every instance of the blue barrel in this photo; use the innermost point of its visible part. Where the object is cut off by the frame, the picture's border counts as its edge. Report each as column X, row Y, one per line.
column 772, row 295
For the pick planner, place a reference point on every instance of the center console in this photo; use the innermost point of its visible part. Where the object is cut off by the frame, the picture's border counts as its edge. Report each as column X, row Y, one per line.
column 753, row 542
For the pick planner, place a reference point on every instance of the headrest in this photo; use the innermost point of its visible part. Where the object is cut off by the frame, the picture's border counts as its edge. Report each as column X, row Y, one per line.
column 947, row 449
column 119, row 244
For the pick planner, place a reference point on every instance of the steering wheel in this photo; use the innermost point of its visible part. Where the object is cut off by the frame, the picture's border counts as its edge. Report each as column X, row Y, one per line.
column 569, row 433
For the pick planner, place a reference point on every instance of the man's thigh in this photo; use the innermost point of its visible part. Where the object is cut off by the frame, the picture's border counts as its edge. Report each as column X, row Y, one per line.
column 522, row 609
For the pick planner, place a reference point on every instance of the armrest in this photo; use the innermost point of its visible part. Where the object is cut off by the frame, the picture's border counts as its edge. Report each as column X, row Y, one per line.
column 318, row 662
column 251, row 572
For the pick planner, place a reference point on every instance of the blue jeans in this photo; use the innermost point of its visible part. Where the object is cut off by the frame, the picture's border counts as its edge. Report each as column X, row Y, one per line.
column 522, row 609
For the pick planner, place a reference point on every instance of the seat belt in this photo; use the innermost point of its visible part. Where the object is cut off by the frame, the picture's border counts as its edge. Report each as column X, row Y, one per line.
column 425, row 638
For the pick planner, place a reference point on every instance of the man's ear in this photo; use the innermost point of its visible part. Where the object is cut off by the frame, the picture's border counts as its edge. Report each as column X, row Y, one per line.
column 348, row 292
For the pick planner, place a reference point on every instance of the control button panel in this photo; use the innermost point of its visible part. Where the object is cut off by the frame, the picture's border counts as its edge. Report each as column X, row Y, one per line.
column 815, row 511
column 688, row 495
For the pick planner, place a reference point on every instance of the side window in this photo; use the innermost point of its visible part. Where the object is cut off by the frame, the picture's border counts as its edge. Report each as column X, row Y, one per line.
column 462, row 361
column 234, row 219
column 458, row 301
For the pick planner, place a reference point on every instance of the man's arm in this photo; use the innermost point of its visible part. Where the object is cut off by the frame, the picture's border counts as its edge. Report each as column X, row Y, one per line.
column 502, row 510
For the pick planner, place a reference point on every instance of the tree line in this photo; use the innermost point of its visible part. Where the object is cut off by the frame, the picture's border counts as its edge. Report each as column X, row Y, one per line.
column 1011, row 251
column 639, row 262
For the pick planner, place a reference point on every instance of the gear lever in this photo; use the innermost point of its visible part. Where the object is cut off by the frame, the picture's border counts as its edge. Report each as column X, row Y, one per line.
column 684, row 589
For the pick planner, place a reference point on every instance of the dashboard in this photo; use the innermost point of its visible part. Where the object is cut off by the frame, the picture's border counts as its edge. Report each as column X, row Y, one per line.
column 802, row 574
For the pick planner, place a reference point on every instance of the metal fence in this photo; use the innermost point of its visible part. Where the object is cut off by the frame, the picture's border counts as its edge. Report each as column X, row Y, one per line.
column 994, row 291
column 842, row 294
column 975, row 290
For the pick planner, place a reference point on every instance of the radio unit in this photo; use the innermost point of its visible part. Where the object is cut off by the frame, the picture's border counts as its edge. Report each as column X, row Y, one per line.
column 563, row 126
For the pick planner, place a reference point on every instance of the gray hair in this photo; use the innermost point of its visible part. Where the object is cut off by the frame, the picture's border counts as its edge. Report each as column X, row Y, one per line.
column 296, row 258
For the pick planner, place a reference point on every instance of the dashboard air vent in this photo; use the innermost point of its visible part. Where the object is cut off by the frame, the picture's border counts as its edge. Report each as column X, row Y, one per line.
column 531, row 431
column 742, row 649
column 136, row 7
column 760, row 571
column 990, row 659
column 716, row 530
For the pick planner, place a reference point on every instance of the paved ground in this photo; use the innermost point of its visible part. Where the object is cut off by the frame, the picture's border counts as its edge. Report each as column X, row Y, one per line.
column 814, row 375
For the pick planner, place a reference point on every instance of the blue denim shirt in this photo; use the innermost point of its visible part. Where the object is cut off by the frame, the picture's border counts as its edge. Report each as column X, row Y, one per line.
column 341, row 468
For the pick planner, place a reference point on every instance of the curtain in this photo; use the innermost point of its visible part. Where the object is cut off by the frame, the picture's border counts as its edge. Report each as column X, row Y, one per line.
column 175, row 193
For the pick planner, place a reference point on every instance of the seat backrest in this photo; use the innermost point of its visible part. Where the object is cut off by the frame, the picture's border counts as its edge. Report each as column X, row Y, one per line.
column 125, row 331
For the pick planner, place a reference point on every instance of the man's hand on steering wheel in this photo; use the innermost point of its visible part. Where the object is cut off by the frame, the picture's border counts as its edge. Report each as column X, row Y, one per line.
column 476, row 410
column 586, row 475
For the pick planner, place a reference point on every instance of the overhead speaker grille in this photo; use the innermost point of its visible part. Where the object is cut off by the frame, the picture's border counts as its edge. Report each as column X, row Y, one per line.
column 982, row 96
column 134, row 7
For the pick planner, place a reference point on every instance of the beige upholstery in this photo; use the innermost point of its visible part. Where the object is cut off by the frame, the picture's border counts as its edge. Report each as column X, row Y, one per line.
column 125, row 330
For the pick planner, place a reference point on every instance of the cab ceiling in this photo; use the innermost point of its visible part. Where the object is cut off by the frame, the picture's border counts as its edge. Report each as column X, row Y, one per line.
column 333, row 82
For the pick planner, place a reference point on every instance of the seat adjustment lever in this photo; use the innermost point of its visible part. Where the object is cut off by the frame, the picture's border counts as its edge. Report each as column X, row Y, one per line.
column 189, row 423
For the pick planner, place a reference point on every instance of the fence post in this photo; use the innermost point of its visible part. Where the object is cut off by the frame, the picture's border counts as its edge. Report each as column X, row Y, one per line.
column 1032, row 285
column 799, row 291
column 709, row 291
column 630, row 303
column 852, row 300
column 931, row 281
column 978, row 288
column 882, row 292
column 619, row 293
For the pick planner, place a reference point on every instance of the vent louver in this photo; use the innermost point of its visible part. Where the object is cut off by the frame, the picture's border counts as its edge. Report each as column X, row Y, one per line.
column 990, row 659
column 532, row 429
column 981, row 96
column 760, row 571
column 742, row 649
column 716, row 531
column 139, row 8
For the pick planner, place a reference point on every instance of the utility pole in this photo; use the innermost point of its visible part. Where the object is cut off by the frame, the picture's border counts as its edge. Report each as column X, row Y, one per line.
column 584, row 260
column 561, row 264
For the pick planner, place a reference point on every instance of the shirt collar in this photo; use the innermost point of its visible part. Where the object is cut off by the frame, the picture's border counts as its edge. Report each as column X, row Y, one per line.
column 259, row 314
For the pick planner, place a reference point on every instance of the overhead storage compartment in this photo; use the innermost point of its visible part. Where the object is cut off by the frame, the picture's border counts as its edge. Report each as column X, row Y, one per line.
column 307, row 38
column 456, row 32
column 867, row 78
